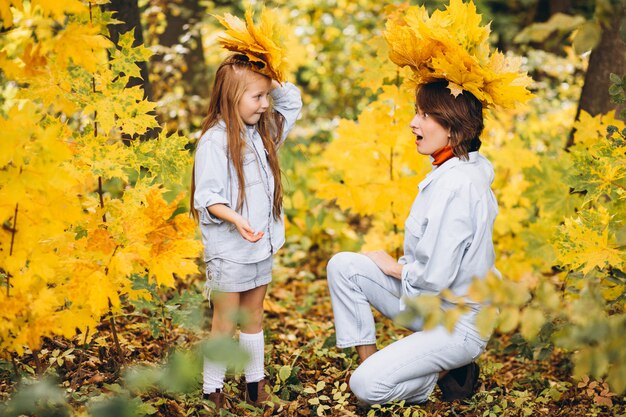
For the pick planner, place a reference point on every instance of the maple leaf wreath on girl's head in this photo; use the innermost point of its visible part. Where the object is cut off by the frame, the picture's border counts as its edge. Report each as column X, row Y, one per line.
column 261, row 45
column 451, row 45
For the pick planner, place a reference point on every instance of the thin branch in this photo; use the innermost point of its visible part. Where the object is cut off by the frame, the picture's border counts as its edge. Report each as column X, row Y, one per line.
column 14, row 229
column 114, row 332
column 617, row 185
column 100, row 193
column 38, row 366
column 15, row 368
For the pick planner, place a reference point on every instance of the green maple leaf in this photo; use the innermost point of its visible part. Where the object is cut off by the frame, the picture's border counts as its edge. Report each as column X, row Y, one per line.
column 124, row 60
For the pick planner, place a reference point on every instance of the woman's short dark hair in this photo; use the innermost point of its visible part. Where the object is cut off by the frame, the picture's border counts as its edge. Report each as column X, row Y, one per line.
column 462, row 115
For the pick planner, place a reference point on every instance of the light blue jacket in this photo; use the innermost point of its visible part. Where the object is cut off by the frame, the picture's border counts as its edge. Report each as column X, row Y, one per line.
column 216, row 183
column 448, row 234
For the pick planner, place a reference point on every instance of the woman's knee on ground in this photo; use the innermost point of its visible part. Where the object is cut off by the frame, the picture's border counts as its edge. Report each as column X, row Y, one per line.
column 367, row 388
column 340, row 265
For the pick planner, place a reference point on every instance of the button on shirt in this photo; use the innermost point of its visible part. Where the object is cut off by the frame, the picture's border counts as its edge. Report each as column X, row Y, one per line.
column 216, row 183
column 448, row 234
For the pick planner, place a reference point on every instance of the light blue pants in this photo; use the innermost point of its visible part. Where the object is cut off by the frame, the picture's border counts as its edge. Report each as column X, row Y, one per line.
column 407, row 369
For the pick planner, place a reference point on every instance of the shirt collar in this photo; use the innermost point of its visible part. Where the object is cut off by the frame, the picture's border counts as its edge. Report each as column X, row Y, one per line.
column 438, row 171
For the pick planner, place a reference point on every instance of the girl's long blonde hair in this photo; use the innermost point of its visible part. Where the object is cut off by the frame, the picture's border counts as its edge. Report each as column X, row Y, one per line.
column 228, row 88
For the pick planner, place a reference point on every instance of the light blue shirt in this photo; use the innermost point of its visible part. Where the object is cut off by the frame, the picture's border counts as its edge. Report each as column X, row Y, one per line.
column 216, row 183
column 448, row 234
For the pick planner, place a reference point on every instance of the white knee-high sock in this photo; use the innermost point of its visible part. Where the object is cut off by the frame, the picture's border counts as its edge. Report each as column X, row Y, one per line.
column 254, row 344
column 213, row 376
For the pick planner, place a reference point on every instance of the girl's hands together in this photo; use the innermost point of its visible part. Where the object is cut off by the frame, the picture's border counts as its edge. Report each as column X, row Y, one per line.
column 386, row 263
column 246, row 231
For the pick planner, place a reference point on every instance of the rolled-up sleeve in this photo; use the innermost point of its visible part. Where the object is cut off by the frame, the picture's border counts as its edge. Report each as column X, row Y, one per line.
column 440, row 250
column 211, row 168
column 287, row 102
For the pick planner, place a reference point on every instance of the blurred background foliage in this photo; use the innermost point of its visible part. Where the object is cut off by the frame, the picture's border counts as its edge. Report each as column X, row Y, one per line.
column 558, row 314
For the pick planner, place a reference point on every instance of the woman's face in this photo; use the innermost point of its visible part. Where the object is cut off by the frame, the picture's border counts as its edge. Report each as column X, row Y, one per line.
column 430, row 135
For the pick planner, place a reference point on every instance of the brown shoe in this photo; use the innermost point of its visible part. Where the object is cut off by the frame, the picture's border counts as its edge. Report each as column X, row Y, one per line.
column 218, row 398
column 256, row 395
column 459, row 383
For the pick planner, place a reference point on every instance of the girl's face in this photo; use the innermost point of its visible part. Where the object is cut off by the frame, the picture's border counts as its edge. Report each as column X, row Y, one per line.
column 255, row 99
column 430, row 135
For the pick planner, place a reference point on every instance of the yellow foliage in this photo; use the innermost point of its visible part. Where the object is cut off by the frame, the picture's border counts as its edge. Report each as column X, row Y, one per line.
column 173, row 248
column 69, row 247
column 58, row 9
column 5, row 11
column 73, row 40
column 452, row 45
column 585, row 243
column 591, row 129
column 262, row 44
column 531, row 321
column 486, row 320
column 385, row 178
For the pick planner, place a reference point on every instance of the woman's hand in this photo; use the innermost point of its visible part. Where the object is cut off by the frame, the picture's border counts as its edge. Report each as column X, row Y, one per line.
column 386, row 263
column 246, row 231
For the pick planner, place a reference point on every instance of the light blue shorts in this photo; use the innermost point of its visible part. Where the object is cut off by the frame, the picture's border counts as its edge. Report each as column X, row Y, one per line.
column 229, row 276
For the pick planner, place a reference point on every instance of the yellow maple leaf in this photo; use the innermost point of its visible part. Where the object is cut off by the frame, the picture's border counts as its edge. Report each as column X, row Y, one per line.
column 57, row 9
column 591, row 129
column 584, row 242
column 172, row 239
column 5, row 11
column 76, row 39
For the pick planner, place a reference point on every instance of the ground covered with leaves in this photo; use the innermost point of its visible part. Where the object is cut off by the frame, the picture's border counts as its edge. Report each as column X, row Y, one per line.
column 117, row 372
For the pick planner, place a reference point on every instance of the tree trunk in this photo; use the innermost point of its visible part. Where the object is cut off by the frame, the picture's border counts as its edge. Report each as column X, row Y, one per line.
column 127, row 11
column 560, row 6
column 609, row 56
column 182, row 28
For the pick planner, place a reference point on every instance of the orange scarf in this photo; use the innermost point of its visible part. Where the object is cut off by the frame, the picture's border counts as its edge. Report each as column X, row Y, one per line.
column 442, row 155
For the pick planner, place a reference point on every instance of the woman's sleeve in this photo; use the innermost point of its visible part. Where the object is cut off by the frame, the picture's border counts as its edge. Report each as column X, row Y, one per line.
column 287, row 102
column 440, row 250
column 210, row 175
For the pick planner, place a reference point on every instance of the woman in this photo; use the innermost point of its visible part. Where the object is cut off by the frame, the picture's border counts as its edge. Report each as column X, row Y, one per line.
column 448, row 242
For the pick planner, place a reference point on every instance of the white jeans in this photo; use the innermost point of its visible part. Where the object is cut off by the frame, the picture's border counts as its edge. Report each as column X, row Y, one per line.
column 407, row 369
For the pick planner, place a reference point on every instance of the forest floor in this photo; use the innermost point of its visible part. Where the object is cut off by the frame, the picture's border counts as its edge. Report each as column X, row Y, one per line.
column 304, row 366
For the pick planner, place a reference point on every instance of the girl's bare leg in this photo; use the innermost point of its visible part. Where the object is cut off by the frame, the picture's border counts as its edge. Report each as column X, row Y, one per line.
column 251, row 303
column 225, row 306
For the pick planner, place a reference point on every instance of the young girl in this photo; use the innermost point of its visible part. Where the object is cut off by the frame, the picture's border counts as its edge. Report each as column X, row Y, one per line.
column 237, row 197
column 448, row 242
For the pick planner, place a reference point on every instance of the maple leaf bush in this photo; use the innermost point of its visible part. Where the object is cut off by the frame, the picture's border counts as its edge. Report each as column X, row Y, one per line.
column 83, row 211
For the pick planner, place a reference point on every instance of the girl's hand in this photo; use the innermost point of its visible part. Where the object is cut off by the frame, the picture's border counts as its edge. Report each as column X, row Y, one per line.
column 246, row 231
column 386, row 263
column 243, row 227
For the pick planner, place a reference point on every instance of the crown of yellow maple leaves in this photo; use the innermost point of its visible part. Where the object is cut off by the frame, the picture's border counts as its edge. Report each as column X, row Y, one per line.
column 452, row 45
column 261, row 44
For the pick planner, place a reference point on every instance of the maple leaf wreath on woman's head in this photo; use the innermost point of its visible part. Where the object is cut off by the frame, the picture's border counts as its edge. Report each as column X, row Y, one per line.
column 451, row 45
